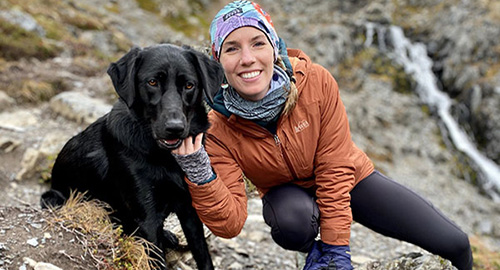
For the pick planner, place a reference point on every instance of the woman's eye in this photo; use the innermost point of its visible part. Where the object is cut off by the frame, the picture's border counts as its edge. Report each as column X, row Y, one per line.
column 189, row 86
column 153, row 82
column 230, row 49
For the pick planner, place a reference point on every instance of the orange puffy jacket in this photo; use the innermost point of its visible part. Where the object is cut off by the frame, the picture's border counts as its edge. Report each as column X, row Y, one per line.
column 311, row 148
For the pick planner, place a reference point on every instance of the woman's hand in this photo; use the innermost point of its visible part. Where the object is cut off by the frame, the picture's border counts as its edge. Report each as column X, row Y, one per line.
column 194, row 161
column 188, row 146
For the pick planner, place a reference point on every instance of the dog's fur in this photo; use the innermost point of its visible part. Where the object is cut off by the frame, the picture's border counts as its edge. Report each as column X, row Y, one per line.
column 124, row 157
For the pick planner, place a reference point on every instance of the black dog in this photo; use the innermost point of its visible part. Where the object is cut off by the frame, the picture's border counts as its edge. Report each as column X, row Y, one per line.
column 124, row 157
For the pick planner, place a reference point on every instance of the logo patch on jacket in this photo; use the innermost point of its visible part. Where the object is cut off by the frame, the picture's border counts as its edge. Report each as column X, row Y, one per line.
column 301, row 126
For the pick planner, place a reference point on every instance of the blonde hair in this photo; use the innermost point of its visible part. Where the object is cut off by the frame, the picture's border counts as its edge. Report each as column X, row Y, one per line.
column 293, row 94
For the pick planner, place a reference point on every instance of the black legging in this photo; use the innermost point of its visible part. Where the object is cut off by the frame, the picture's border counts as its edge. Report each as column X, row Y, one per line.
column 378, row 203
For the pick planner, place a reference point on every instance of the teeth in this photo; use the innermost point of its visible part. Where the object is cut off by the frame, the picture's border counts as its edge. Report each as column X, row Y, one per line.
column 250, row 74
column 169, row 142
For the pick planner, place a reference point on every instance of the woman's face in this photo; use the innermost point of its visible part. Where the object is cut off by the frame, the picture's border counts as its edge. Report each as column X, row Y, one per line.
column 248, row 61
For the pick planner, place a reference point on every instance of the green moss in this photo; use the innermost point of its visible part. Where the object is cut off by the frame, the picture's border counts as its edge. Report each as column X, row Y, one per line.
column 249, row 186
column 113, row 7
column 148, row 5
column 408, row 14
column 121, row 41
column 426, row 110
column 192, row 23
column 464, row 170
column 16, row 43
column 46, row 172
column 53, row 29
column 385, row 67
column 83, row 21
column 373, row 62
column 345, row 72
column 183, row 24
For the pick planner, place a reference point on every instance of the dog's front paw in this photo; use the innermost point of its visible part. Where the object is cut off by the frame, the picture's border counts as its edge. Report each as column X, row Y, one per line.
column 52, row 198
column 171, row 240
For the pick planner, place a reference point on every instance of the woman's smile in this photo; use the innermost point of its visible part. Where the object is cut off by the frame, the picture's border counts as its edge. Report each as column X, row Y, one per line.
column 250, row 75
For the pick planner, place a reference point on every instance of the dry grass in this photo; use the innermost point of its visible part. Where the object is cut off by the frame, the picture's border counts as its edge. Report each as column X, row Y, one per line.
column 33, row 90
column 484, row 257
column 104, row 241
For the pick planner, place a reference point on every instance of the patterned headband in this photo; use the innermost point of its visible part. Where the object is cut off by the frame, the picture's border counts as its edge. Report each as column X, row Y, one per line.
column 239, row 14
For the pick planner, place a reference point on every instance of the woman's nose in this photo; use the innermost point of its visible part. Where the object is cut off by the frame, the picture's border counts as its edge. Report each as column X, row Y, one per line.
column 247, row 56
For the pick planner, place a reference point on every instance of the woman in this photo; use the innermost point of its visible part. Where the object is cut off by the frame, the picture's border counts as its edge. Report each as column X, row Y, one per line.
column 279, row 120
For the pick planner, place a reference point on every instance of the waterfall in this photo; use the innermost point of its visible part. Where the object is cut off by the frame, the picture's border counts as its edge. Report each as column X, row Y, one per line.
column 413, row 57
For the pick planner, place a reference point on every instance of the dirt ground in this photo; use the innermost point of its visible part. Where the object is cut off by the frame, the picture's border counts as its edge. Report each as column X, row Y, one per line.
column 24, row 235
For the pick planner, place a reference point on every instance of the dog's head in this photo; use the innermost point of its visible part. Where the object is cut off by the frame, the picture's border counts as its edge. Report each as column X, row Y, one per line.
column 164, row 84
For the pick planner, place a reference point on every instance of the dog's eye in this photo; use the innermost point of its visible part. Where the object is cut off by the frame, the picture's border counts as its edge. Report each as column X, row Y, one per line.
column 153, row 82
column 189, row 86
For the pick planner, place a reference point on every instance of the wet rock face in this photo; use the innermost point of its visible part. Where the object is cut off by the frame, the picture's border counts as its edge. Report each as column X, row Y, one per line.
column 464, row 57
column 460, row 37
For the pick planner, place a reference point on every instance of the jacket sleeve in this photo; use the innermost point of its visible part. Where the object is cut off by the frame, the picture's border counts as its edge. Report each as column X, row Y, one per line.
column 334, row 168
column 221, row 204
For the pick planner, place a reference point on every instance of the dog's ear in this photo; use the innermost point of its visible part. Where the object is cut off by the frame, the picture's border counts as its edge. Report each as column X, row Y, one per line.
column 122, row 74
column 209, row 71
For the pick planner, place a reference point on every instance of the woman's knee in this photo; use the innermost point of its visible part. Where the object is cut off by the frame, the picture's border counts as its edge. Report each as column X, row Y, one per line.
column 293, row 215
column 460, row 253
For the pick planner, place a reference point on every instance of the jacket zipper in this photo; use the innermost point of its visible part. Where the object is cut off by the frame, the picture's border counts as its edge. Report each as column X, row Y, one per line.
column 283, row 152
column 285, row 157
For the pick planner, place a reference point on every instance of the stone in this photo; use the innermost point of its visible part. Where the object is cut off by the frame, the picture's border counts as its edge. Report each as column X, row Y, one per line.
column 18, row 121
column 8, row 145
column 5, row 101
column 79, row 107
column 36, row 159
column 40, row 265
column 28, row 164
column 33, row 242
column 23, row 20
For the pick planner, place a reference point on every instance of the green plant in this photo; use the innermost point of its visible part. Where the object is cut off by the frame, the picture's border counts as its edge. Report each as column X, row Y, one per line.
column 46, row 172
column 17, row 43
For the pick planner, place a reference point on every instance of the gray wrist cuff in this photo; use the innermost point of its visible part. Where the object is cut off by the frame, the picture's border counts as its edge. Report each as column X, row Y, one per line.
column 196, row 166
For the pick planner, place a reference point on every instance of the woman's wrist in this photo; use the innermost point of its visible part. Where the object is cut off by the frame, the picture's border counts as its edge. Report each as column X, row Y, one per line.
column 196, row 166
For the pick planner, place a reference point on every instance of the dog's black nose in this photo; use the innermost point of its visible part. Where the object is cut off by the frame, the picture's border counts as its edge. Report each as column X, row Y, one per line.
column 174, row 125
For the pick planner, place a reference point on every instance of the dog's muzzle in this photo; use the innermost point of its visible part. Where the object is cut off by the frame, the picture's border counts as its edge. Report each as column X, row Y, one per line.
column 169, row 144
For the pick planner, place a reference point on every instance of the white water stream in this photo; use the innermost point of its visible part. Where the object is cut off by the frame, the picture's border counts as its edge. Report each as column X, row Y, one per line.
column 413, row 57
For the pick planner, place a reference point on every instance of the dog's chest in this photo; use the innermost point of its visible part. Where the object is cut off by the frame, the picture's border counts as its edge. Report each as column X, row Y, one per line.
column 160, row 173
